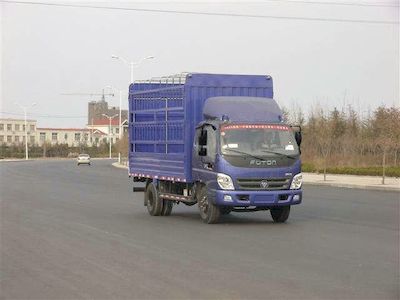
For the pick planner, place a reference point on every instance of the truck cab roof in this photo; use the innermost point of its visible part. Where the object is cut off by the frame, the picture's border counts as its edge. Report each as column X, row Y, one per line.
column 242, row 109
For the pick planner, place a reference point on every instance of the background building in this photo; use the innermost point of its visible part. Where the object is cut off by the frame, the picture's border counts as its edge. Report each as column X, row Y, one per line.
column 96, row 109
column 103, row 125
column 12, row 131
column 72, row 136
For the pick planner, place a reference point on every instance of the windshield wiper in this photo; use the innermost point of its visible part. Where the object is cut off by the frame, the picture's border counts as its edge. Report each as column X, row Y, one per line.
column 245, row 153
column 279, row 153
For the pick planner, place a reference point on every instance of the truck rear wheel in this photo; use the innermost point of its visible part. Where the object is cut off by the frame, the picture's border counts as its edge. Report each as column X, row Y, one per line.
column 153, row 201
column 209, row 212
column 167, row 208
column 280, row 214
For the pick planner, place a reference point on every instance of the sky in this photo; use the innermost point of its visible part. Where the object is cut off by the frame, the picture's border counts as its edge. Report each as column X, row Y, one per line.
column 49, row 50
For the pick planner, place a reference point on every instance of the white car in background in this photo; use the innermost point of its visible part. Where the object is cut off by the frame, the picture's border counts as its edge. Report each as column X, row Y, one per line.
column 83, row 159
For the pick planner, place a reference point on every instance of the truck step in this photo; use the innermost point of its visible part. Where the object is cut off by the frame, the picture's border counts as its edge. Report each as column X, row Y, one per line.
column 175, row 197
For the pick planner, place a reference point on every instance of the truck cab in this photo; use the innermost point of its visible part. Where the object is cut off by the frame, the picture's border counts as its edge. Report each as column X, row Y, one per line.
column 246, row 158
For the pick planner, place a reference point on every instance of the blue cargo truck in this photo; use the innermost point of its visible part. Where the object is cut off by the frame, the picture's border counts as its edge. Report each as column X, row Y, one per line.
column 215, row 140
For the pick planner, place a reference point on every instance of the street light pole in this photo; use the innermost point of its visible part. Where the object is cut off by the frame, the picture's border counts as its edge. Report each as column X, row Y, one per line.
column 109, row 137
column 120, row 117
column 109, row 130
column 120, row 126
column 25, row 108
column 131, row 64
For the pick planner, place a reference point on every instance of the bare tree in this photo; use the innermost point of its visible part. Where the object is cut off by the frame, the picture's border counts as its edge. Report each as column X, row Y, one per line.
column 122, row 147
column 386, row 129
column 324, row 137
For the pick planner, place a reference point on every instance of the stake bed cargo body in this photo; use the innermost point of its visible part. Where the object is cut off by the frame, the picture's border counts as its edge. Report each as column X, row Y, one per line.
column 163, row 117
column 170, row 150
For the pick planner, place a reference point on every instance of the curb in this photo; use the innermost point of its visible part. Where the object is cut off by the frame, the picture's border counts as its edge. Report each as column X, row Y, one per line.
column 354, row 186
column 15, row 160
column 119, row 166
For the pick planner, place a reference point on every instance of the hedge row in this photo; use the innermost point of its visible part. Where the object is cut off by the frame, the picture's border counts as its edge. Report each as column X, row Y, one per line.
column 58, row 150
column 370, row 171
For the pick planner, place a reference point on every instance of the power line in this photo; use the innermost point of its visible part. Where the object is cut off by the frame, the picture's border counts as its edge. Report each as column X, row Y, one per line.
column 43, row 116
column 338, row 3
column 205, row 13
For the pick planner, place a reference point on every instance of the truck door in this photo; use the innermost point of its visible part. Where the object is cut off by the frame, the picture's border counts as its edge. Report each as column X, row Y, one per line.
column 205, row 149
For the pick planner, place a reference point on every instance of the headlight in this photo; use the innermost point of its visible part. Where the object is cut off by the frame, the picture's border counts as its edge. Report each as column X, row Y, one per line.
column 225, row 182
column 296, row 182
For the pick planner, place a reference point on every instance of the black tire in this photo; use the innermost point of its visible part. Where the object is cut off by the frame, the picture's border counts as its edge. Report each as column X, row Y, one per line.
column 209, row 212
column 225, row 210
column 78, row 164
column 167, row 208
column 153, row 201
column 280, row 214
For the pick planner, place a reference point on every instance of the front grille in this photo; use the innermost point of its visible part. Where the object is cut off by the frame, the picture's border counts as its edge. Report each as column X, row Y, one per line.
column 257, row 183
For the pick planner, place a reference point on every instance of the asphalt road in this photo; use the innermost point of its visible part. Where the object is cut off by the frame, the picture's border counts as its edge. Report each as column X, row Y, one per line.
column 71, row 232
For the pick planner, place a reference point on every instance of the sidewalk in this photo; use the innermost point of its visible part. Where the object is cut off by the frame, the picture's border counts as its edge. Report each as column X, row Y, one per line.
column 118, row 165
column 348, row 181
column 14, row 159
column 353, row 181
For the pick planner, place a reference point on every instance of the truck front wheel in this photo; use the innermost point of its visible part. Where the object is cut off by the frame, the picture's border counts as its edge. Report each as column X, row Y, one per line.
column 280, row 214
column 153, row 201
column 209, row 212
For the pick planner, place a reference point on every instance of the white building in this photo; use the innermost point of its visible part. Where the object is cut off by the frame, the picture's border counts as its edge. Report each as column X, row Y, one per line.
column 12, row 131
column 72, row 136
column 103, row 125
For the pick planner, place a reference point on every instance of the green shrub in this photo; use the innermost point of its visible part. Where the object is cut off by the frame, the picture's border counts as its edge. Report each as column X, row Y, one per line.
column 308, row 167
column 369, row 171
column 56, row 150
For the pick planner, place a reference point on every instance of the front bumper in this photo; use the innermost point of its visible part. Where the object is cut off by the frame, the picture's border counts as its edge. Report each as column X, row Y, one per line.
column 256, row 198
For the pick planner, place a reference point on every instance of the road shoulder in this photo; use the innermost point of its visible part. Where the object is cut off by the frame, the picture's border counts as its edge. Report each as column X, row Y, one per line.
column 353, row 181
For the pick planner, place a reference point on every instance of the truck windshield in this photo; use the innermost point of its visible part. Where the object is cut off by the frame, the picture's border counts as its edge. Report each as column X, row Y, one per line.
column 258, row 140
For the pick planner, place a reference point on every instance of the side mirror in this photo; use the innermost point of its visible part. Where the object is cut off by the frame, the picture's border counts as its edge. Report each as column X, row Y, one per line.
column 202, row 143
column 298, row 137
column 203, row 138
column 203, row 151
column 297, row 134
